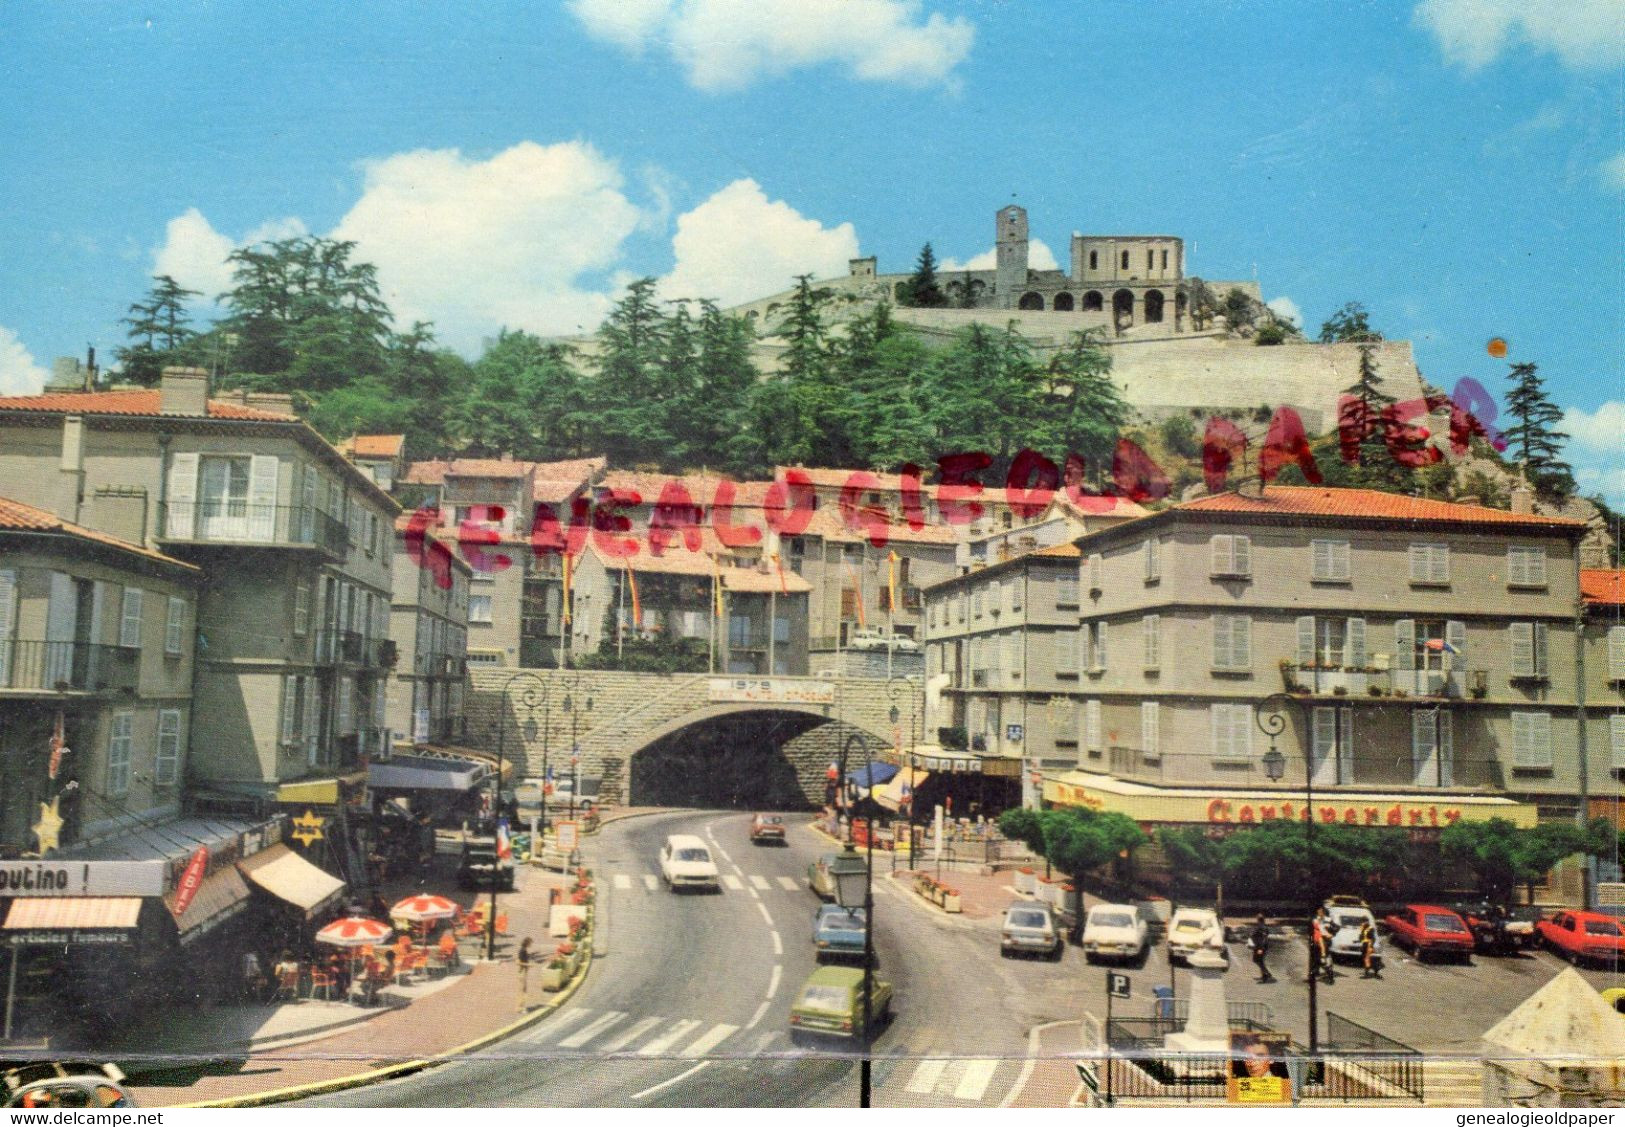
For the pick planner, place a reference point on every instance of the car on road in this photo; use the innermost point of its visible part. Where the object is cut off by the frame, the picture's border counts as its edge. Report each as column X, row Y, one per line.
column 878, row 640
column 838, row 932
column 830, row 1004
column 1191, row 929
column 1114, row 931
column 65, row 1085
column 767, row 828
column 685, row 862
column 821, row 878
column 1029, row 927
column 1584, row 937
column 1346, row 921
column 1427, row 929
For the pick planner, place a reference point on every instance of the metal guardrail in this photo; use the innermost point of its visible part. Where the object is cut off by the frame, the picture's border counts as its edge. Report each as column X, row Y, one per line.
column 59, row 667
column 1392, row 1062
column 239, row 522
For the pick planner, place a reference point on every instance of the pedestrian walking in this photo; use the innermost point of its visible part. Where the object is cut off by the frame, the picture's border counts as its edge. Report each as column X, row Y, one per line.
column 1259, row 942
column 524, row 974
column 1368, row 950
column 1323, row 943
column 253, row 976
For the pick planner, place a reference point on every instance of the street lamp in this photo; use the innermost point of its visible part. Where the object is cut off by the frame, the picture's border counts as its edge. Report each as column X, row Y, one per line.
column 528, row 699
column 894, row 689
column 1272, row 723
column 854, row 885
column 575, row 711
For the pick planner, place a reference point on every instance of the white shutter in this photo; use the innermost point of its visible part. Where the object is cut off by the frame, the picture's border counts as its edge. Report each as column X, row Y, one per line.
column 1221, row 641
column 1243, row 551
column 1151, row 636
column 1405, row 643
column 313, row 720
column 307, row 507
column 129, row 631
column 175, row 626
column 1455, row 635
column 1153, row 561
column 1150, row 727
column 1532, row 739
column 1439, row 564
column 346, row 721
column 993, row 604
column 1323, row 742
column 1447, row 750
column 8, row 614
column 1091, row 724
column 1422, row 748
column 1306, row 639
column 301, row 609
column 1241, row 643
column 1096, row 569
column 61, row 613
column 1521, row 638
column 1222, row 557
column 181, row 497
column 1218, row 727
column 290, row 701
column 1540, row 649
column 1066, row 594
column 1616, row 652
column 1354, row 644
column 1066, row 651
column 1099, row 654
column 1320, row 559
column 1616, row 737
column 167, row 763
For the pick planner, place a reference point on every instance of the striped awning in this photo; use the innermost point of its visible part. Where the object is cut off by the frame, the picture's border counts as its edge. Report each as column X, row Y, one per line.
column 289, row 877
column 75, row 913
column 222, row 895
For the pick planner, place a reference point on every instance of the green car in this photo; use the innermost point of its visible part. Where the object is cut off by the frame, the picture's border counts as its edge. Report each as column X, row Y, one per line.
column 830, row 1004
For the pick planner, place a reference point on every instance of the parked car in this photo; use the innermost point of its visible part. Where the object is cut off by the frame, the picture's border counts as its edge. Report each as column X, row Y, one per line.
column 1191, row 929
column 1499, row 931
column 1114, row 931
column 838, row 932
column 685, row 862
column 1346, row 900
column 1346, row 921
column 878, row 640
column 830, row 1004
column 1427, row 929
column 1584, row 937
column 767, row 828
column 819, row 877
column 59, row 1084
column 479, row 866
column 1031, row 927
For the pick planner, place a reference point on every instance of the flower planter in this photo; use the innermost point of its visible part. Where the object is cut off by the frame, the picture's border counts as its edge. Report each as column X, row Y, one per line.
column 1049, row 891
column 1026, row 881
column 553, row 978
column 950, row 902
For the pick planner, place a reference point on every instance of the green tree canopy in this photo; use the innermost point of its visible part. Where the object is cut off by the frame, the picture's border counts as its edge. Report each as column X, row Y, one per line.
column 160, row 329
column 1533, row 437
column 922, row 290
column 1350, row 323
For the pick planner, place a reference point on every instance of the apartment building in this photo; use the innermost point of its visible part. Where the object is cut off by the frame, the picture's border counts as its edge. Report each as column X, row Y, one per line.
column 429, row 626
column 1425, row 653
column 96, row 652
column 292, row 542
column 1603, row 590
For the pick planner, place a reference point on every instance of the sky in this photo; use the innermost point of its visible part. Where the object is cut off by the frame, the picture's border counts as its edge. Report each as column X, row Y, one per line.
column 1456, row 165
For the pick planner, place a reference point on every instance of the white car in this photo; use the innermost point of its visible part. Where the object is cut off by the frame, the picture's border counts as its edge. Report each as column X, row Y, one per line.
column 1192, row 929
column 877, row 640
column 1346, row 921
column 1114, row 931
column 685, row 862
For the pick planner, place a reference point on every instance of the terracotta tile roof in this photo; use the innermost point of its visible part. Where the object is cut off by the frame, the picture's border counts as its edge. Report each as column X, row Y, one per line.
column 1602, row 585
column 432, row 472
column 552, row 492
column 141, row 401
column 18, row 517
column 578, row 469
column 702, row 487
column 1297, row 500
column 1063, row 551
column 373, row 446
column 678, row 561
column 1117, row 508
column 487, row 467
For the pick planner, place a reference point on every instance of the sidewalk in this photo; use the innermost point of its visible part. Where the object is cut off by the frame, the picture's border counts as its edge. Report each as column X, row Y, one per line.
column 284, row 1051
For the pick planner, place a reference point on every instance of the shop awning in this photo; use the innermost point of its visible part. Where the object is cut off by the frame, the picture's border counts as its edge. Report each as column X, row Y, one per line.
column 222, row 895
column 72, row 920
column 414, row 772
column 873, row 774
column 946, row 760
column 288, row 876
column 890, row 796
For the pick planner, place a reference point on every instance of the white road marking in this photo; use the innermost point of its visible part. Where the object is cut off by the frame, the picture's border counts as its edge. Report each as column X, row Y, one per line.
column 724, row 853
column 733, row 882
column 630, row 1035
column 558, row 1023
column 761, row 1012
column 622, row 881
column 778, row 944
column 713, row 1037
column 974, row 1080
column 789, row 884
column 926, row 1076
column 1032, row 1061
column 650, row 881
column 669, row 1038
column 763, row 908
column 587, row 1032
column 668, row 1083
column 773, row 982
column 760, row 882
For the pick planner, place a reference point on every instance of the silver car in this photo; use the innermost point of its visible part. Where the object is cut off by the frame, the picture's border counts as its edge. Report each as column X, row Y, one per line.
column 1346, row 923
column 1030, row 927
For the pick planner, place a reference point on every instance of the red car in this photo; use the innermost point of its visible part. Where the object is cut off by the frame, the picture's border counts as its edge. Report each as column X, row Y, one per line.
column 1584, row 937
column 1426, row 929
column 767, row 827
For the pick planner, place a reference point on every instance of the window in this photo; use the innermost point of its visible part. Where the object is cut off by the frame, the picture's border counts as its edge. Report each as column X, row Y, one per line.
column 1097, row 647
column 1528, row 645
column 479, row 608
column 345, row 692
column 739, row 631
column 1616, row 653
column 1091, row 725
column 292, row 708
column 1331, row 641
column 976, row 602
column 1150, row 260
column 1429, row 645
column 1430, row 563
column 959, row 607
column 1329, row 561
column 1150, row 727
column 1124, row 260
column 372, row 533
column 1151, row 640
column 1064, row 718
column 1094, row 260
column 1526, row 566
column 1232, row 730
column 1432, row 748
column 174, row 625
column 781, row 630
column 1616, row 738
column 1066, row 592
column 1532, row 740
column 1232, row 642
column 166, row 768
column 1010, row 651
column 1013, row 590
column 129, row 631
column 1165, row 260
column 993, row 594
column 1096, row 568
column 1153, row 560
column 1232, row 555
column 301, row 609
column 1067, row 644
column 1331, row 732
column 118, row 753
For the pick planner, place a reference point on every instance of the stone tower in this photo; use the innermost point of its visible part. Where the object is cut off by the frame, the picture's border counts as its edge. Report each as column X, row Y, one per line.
column 1010, row 246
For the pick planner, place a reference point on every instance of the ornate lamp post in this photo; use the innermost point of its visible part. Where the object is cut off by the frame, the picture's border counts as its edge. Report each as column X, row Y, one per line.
column 895, row 688
column 854, row 886
column 528, row 699
column 575, row 708
column 1272, row 722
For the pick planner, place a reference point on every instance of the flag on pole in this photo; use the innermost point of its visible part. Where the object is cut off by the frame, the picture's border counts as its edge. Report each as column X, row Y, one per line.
column 716, row 587
column 891, row 582
column 857, row 585
column 1441, row 646
column 637, row 607
column 778, row 565
column 568, row 577
column 58, row 748
column 504, row 846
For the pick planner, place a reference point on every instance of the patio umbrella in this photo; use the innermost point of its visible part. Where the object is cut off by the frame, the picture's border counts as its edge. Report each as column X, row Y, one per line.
column 356, row 931
column 423, row 907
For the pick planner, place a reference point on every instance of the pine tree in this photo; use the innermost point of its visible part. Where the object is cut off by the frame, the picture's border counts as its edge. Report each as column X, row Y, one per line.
column 161, row 329
column 923, row 291
column 1534, row 437
column 1349, row 324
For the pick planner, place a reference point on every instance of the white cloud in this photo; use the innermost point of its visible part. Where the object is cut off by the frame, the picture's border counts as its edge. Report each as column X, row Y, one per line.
column 1602, row 430
column 1287, row 308
column 1609, row 481
column 1583, row 34
column 475, row 245
column 194, row 253
column 19, row 373
column 1039, row 257
column 1613, row 172
column 728, row 44
column 739, row 245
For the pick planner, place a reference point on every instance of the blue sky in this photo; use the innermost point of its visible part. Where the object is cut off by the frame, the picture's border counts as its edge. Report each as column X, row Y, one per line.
column 1457, row 165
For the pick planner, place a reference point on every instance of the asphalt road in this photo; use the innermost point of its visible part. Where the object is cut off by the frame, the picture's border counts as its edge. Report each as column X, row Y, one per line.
column 687, row 1003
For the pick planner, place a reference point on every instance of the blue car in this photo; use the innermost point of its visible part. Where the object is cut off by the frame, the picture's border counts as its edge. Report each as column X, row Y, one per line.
column 838, row 933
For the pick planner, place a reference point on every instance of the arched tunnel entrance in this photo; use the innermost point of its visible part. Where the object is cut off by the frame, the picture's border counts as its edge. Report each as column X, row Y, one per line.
column 735, row 761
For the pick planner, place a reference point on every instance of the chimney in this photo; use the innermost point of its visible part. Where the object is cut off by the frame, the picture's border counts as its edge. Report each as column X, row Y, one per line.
column 184, row 391
column 66, row 375
column 1523, row 500
column 71, row 470
column 1594, row 553
column 119, row 510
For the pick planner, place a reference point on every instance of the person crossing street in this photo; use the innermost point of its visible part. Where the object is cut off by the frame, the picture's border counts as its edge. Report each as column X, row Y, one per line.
column 1368, row 950
column 1320, row 939
column 1259, row 942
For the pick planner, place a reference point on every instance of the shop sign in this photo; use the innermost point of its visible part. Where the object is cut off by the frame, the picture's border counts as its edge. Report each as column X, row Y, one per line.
column 1404, row 814
column 67, row 937
column 772, row 690
column 191, row 880
column 81, row 878
column 1070, row 795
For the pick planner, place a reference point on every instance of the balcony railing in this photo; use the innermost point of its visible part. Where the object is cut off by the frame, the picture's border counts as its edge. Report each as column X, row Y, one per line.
column 61, row 667
column 341, row 646
column 239, row 522
column 1316, row 680
column 1369, row 770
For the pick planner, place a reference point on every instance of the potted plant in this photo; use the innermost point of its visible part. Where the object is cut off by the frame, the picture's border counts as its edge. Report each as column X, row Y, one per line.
column 1375, row 690
column 1340, row 690
column 1025, row 880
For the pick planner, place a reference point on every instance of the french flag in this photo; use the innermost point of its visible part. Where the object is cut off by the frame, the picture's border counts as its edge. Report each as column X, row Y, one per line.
column 504, row 846
column 1442, row 646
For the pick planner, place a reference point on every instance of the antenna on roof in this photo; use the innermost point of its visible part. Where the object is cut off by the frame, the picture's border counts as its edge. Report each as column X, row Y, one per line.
column 90, row 367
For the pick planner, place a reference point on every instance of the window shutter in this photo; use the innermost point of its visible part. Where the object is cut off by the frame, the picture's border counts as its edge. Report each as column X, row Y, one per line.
column 1455, row 633
column 290, row 703
column 129, row 633
column 1241, row 642
column 1221, row 641
column 1222, row 555
column 1091, row 723
column 1323, row 738
column 1150, row 727
column 1151, row 635
column 1096, row 568
column 1532, row 739
column 1218, row 731
column 313, row 720
column 1306, row 639
column 262, row 490
column 1521, row 638
column 1014, row 587
column 1616, row 736
column 1422, row 749
column 1320, row 559
column 181, row 496
column 1419, row 563
column 301, row 609
column 1447, row 750
column 8, row 614
column 307, row 507
column 346, row 720
column 1405, row 643
column 166, row 765
column 1616, row 652
column 1242, row 548
column 993, row 605
column 1354, row 644
column 1540, row 649
column 175, row 625
column 1439, row 563
column 1066, row 652
column 1153, row 561
column 1100, row 646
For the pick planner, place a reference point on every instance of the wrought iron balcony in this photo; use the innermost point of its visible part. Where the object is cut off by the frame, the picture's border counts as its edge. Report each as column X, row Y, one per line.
column 242, row 523
column 346, row 647
column 67, row 667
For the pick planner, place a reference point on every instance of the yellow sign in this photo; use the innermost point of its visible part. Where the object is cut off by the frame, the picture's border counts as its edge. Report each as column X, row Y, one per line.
column 1258, row 1071
column 307, row 828
column 1260, row 1090
column 49, row 827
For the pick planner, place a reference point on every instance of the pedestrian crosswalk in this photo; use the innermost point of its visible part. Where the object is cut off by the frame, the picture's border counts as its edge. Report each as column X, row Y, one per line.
column 731, row 882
